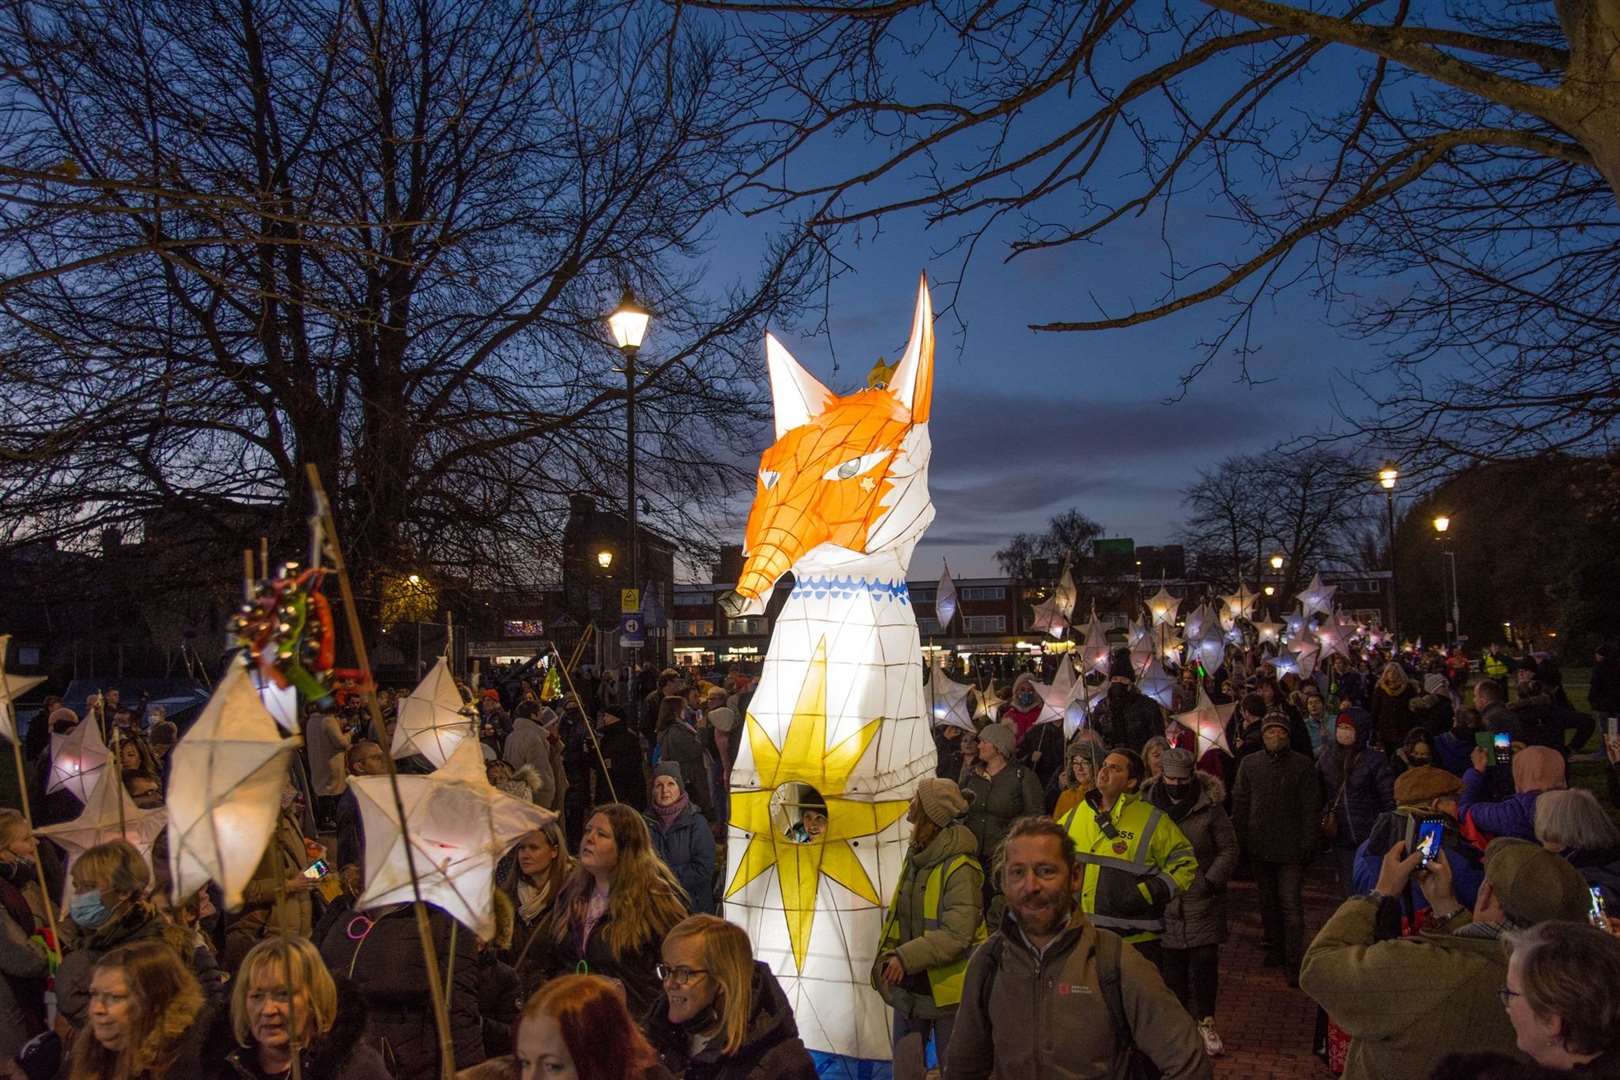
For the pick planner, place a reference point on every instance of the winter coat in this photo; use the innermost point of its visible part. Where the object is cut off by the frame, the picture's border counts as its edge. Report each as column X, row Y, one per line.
column 1276, row 804
column 1135, row 860
column 1046, row 740
column 1406, row 1002
column 138, row 922
column 326, row 741
column 682, row 744
column 687, row 848
column 626, row 765
column 1467, row 871
column 1025, row 1016
column 1392, row 715
column 949, row 753
column 1138, row 721
column 997, row 802
column 771, row 1049
column 1198, row 916
column 343, row 1053
column 526, row 956
column 500, row 1000
column 634, row 969
column 262, row 913
column 351, row 832
column 1453, row 752
column 1356, row 783
column 961, row 906
column 386, row 967
column 529, row 745
column 1513, row 816
column 22, row 974
column 1432, row 712
column 1601, row 869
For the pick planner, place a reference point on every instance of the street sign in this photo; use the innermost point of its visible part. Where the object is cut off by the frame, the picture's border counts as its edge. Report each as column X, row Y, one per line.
column 629, row 601
column 632, row 631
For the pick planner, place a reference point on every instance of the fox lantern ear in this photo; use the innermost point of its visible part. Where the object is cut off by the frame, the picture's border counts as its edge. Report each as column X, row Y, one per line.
column 796, row 396
column 913, row 380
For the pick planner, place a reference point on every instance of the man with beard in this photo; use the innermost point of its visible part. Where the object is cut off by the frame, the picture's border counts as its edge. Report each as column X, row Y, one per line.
column 1127, row 717
column 1030, row 1005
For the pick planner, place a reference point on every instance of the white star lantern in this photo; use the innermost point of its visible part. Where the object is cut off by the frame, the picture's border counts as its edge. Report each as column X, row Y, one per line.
column 1293, row 624
column 945, row 600
column 1201, row 622
column 986, row 702
column 1207, row 721
column 1077, row 711
column 1157, row 684
column 1144, row 647
column 1268, row 631
column 1162, row 606
column 1317, row 597
column 1334, row 636
column 1066, row 594
column 109, row 814
column 225, row 790
column 1240, row 605
column 459, row 824
column 78, row 759
column 1049, row 619
column 11, row 688
column 1095, row 649
column 431, row 720
column 949, row 699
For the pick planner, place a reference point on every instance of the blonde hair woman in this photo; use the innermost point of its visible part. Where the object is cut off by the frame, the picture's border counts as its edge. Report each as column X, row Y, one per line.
column 1391, row 706
column 284, row 1002
column 146, row 1017
column 722, row 1015
column 615, row 907
column 539, row 867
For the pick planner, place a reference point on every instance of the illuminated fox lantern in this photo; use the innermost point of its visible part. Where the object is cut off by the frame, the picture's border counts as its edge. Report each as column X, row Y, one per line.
column 836, row 735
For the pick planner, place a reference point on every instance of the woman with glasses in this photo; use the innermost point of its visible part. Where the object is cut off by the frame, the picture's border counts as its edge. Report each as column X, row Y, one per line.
column 146, row 1017
column 1563, row 996
column 615, row 907
column 284, row 1003
column 722, row 1015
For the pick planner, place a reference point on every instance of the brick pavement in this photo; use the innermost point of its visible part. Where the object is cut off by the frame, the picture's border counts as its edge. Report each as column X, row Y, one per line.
column 1266, row 1026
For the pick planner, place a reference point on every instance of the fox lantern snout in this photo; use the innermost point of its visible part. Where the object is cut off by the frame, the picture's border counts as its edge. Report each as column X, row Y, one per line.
column 842, row 469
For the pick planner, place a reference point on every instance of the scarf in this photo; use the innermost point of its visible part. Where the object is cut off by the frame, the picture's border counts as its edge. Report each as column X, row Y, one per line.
column 668, row 814
column 532, row 901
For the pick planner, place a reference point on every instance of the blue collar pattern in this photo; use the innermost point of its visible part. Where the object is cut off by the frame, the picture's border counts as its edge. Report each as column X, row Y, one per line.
column 849, row 588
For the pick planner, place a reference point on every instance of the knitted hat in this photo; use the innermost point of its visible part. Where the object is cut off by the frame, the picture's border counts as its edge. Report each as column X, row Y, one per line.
column 1275, row 719
column 671, row 769
column 1425, row 782
column 723, row 719
column 941, row 800
column 999, row 736
column 1435, row 684
column 1176, row 764
column 1120, row 666
column 1534, row 885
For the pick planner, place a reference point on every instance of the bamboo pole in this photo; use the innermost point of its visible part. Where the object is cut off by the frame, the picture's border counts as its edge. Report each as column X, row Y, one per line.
column 436, row 989
column 48, row 901
column 556, row 658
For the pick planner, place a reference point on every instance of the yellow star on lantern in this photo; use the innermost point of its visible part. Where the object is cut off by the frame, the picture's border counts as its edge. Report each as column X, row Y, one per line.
column 804, row 757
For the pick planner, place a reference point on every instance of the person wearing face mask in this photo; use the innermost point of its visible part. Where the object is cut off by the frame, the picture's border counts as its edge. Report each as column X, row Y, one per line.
column 277, row 899
column 1422, row 792
column 1127, row 717
column 722, row 1014
column 109, row 908
column 147, row 1018
column 933, row 923
column 284, row 1003
column 1359, row 786
column 1416, row 752
column 1024, row 708
column 1276, row 803
column 22, row 945
column 681, row 836
column 1195, row 921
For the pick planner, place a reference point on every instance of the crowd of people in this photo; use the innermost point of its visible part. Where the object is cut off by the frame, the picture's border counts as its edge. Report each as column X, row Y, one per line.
column 1061, row 908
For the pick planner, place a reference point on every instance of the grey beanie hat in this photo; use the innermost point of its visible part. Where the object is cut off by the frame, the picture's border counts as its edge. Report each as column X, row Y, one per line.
column 671, row 769
column 999, row 736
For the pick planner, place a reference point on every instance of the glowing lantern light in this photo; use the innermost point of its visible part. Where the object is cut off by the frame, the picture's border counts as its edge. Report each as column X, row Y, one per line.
column 77, row 760
column 431, row 720
column 109, row 814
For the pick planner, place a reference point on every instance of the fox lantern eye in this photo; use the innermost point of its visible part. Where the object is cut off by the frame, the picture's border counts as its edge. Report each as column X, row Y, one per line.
column 854, row 466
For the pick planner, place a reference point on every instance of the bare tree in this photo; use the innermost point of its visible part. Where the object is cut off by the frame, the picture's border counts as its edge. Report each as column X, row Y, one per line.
column 376, row 237
column 1464, row 158
column 1016, row 559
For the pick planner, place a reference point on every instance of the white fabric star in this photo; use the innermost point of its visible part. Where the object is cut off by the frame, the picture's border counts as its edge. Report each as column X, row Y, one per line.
column 1207, row 721
column 101, row 823
column 11, row 688
column 1094, row 650
column 460, row 825
column 431, row 720
column 1269, row 631
column 1317, row 597
column 949, row 699
column 1157, row 684
column 225, row 790
column 1162, row 606
column 78, row 759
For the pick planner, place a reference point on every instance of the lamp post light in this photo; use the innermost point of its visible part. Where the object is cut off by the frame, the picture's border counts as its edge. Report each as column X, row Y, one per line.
column 1386, row 479
column 1277, row 562
column 1442, row 523
column 629, row 325
column 604, row 559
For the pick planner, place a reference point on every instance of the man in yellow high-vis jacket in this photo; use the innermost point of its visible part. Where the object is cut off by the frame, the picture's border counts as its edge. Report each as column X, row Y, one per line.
column 1135, row 857
column 932, row 925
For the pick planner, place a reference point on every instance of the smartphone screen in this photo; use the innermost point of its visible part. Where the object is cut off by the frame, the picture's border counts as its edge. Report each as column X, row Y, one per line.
column 1503, row 743
column 1430, row 835
column 316, row 870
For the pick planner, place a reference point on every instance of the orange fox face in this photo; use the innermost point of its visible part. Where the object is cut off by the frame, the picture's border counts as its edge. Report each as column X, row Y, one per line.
column 846, row 476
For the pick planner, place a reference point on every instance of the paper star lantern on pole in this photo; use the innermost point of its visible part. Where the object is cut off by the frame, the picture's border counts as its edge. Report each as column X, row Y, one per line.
column 1169, row 644
column 1094, row 650
column 225, row 790
column 949, row 699
column 78, row 759
column 1317, row 597
column 1066, row 595
column 11, row 688
column 459, row 826
column 1077, row 710
column 1293, row 624
column 945, row 600
column 1240, row 605
column 431, row 720
column 1144, row 647
column 1162, row 606
column 986, row 702
column 1333, row 636
column 109, row 814
column 1200, row 622
column 1268, row 631
column 1157, row 684
column 1049, row 619
column 1207, row 721
column 1056, row 695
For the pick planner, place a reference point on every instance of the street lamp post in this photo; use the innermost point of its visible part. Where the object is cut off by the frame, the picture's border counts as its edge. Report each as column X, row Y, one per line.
column 1386, row 479
column 629, row 325
column 1454, row 623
